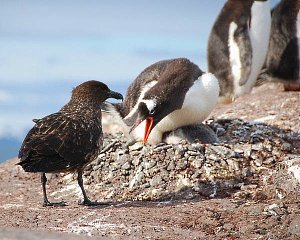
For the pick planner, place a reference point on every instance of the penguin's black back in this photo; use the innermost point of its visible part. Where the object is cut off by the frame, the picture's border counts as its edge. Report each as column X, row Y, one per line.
column 172, row 76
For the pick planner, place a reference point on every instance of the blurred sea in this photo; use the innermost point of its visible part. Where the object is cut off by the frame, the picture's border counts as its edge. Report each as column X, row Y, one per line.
column 9, row 148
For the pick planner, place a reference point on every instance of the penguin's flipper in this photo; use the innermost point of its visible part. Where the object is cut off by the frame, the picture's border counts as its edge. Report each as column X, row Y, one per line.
column 242, row 39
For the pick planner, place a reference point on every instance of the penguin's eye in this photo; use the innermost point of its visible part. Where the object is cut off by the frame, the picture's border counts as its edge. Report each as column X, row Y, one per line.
column 150, row 105
column 152, row 111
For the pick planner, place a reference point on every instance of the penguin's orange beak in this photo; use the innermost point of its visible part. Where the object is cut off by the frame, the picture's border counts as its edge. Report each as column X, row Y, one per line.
column 148, row 128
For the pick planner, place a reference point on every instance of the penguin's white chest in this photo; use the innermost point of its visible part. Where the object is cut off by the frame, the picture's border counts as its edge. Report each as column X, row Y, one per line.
column 259, row 34
column 199, row 102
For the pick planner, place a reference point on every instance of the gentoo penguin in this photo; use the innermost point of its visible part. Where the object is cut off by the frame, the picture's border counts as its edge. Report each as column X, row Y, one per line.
column 238, row 44
column 165, row 96
column 282, row 63
column 68, row 140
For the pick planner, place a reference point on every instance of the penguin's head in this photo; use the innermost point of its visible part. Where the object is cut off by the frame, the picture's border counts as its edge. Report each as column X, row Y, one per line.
column 149, row 112
column 167, row 94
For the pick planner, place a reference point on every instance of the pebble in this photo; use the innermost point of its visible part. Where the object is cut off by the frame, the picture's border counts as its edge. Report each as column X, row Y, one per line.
column 228, row 226
column 136, row 147
column 136, row 161
column 193, row 153
column 121, row 159
column 137, row 180
column 95, row 168
column 246, row 172
column 258, row 162
column 257, row 147
column 156, row 181
column 269, row 160
column 171, row 166
column 286, row 147
column 197, row 163
column 247, row 150
column 294, row 227
column 220, row 131
column 162, row 147
column 126, row 166
column 248, row 187
column 149, row 165
column 181, row 164
column 275, row 209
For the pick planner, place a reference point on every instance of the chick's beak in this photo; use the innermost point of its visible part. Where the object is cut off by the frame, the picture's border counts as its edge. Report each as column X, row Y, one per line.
column 115, row 95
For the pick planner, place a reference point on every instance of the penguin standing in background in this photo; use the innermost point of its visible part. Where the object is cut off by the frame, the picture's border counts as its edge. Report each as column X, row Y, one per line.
column 282, row 63
column 165, row 96
column 238, row 45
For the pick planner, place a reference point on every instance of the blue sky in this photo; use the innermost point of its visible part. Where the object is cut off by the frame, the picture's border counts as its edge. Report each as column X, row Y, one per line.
column 48, row 47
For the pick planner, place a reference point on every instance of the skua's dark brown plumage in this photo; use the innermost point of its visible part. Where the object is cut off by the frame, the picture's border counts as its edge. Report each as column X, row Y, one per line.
column 68, row 140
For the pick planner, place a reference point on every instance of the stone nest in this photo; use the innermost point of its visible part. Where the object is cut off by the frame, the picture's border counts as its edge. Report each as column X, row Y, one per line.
column 249, row 156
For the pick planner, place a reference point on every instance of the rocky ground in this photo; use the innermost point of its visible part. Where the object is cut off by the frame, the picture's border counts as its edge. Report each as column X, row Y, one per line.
column 244, row 187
